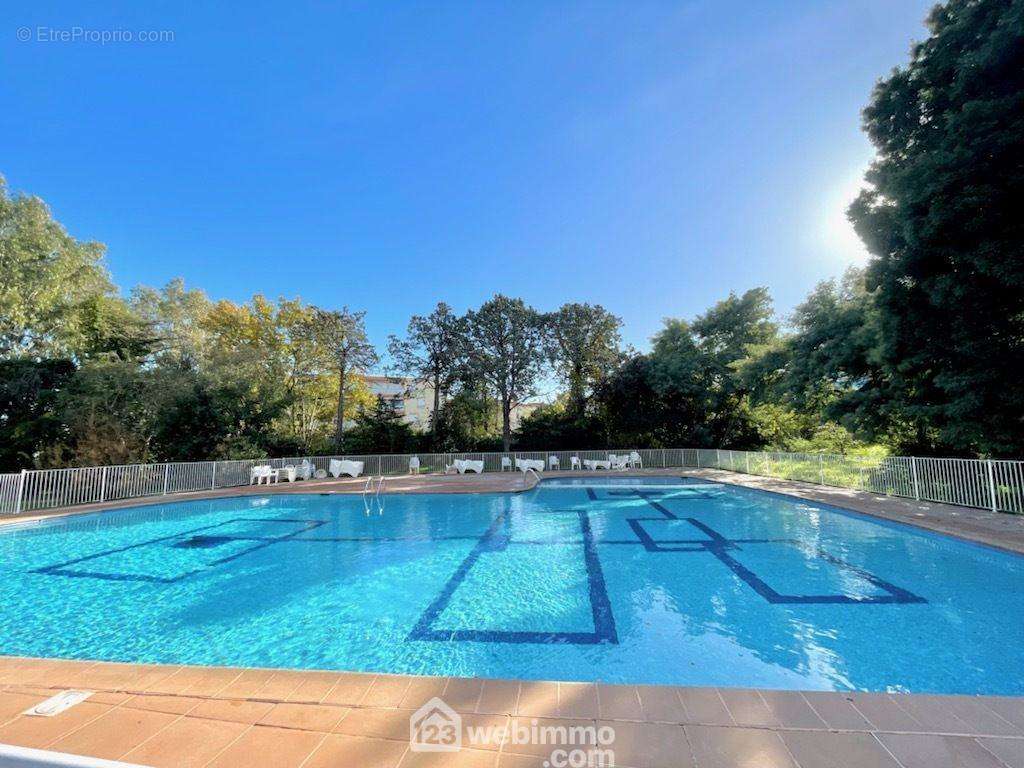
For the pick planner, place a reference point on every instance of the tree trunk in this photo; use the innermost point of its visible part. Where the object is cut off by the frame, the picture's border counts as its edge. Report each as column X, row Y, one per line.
column 506, row 430
column 339, row 433
column 437, row 407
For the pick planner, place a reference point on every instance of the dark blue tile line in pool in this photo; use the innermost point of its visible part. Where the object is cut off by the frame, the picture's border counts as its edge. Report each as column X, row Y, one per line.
column 308, row 525
column 181, row 537
column 681, row 495
column 61, row 569
column 719, row 546
column 601, row 607
column 496, row 539
column 895, row 594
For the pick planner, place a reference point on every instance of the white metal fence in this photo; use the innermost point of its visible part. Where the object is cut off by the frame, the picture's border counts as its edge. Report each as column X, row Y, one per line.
column 996, row 485
column 987, row 484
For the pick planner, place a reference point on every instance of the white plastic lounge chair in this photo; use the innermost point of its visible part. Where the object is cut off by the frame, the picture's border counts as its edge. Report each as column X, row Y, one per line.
column 596, row 464
column 414, row 465
column 506, row 463
column 619, row 462
column 574, row 462
column 285, row 473
column 462, row 466
column 337, row 468
column 260, row 473
column 524, row 465
column 635, row 460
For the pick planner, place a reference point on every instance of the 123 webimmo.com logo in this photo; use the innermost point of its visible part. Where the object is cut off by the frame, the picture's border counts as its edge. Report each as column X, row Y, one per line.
column 436, row 727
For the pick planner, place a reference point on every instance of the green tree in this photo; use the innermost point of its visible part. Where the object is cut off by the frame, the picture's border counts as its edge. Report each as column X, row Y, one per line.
column 942, row 221
column 507, row 353
column 380, row 430
column 177, row 316
column 433, row 352
column 106, row 409
column 725, row 335
column 30, row 418
column 46, row 277
column 342, row 346
column 584, row 349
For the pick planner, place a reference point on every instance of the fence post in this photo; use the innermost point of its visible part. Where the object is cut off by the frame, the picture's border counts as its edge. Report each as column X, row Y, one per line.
column 664, row 462
column 21, row 492
column 821, row 469
column 213, row 480
column 167, row 476
column 992, row 485
column 913, row 471
column 718, row 458
column 698, row 458
column 103, row 485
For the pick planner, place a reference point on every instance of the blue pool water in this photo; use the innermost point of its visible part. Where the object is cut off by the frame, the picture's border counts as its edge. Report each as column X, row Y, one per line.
column 612, row 580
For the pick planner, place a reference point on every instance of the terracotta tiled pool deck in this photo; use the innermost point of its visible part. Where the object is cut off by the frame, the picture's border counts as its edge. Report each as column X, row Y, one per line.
column 213, row 716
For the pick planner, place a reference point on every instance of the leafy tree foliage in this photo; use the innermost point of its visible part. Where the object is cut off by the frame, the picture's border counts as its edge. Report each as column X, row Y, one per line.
column 46, row 279
column 942, row 220
column 380, row 430
column 342, row 347
column 506, row 353
column 584, row 349
column 433, row 352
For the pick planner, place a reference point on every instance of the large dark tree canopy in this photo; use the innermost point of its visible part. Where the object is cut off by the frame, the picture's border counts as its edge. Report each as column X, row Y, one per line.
column 944, row 224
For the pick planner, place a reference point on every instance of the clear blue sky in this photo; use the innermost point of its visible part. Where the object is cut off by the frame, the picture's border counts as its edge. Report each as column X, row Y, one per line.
column 647, row 156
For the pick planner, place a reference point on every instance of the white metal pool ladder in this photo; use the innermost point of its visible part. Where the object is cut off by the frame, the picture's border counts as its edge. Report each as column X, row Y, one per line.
column 369, row 501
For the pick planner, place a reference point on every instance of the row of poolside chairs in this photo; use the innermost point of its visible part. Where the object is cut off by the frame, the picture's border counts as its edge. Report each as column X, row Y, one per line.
column 264, row 473
column 632, row 460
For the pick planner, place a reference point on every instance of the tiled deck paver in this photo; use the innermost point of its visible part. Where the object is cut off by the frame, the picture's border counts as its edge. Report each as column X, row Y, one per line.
column 655, row 726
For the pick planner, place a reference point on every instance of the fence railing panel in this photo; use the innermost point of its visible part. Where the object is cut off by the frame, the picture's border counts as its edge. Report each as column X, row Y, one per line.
column 965, row 482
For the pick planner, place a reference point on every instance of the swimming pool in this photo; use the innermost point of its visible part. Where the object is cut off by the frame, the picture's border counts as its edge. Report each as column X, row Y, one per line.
column 655, row 581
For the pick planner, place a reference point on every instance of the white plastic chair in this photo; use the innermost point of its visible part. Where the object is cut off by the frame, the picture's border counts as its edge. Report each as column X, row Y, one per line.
column 635, row 461
column 260, row 473
column 574, row 462
column 506, row 463
column 552, row 462
column 414, row 465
